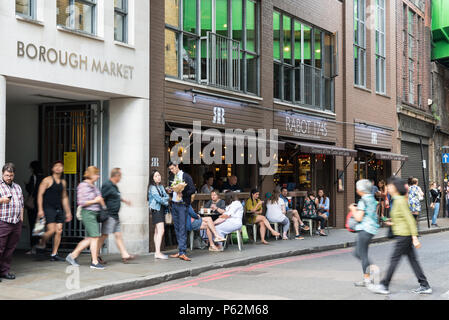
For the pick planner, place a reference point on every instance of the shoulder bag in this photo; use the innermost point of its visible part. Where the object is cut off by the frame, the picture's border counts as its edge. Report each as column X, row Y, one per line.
column 78, row 213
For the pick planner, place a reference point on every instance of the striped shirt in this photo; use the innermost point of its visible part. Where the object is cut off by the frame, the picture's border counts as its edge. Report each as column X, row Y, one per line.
column 87, row 192
column 10, row 212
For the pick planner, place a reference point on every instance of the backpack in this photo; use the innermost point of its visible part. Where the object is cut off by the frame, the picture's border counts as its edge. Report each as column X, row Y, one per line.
column 351, row 223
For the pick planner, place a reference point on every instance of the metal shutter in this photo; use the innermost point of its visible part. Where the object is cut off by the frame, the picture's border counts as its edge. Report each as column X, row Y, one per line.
column 413, row 167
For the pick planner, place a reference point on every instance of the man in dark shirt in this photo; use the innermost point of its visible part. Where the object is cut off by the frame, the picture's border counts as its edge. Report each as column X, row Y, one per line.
column 113, row 200
column 232, row 184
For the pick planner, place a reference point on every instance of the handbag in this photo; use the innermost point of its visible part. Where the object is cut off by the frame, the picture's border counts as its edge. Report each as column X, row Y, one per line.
column 102, row 216
column 39, row 228
column 390, row 233
column 168, row 218
column 79, row 209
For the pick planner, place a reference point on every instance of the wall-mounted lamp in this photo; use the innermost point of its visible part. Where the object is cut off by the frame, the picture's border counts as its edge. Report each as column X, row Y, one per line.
column 193, row 98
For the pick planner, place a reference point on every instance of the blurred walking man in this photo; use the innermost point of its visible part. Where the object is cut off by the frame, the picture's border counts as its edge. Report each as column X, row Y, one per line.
column 52, row 201
column 11, row 219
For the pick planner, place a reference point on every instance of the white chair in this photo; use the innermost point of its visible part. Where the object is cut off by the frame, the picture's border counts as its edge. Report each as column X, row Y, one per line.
column 310, row 223
column 239, row 239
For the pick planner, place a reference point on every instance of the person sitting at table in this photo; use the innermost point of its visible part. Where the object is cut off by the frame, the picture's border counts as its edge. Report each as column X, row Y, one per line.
column 309, row 211
column 276, row 212
column 254, row 215
column 322, row 204
column 231, row 219
column 195, row 223
column 232, row 184
column 208, row 186
column 217, row 205
column 293, row 215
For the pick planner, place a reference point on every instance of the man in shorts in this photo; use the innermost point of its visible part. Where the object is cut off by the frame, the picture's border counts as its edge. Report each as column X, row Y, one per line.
column 113, row 200
column 293, row 215
column 52, row 202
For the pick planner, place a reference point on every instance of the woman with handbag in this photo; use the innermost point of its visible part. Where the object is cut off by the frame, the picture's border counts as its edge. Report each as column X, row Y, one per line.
column 365, row 214
column 158, row 203
column 435, row 193
column 90, row 199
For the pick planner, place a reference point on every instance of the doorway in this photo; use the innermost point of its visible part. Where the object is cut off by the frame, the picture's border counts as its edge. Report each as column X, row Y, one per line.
column 71, row 131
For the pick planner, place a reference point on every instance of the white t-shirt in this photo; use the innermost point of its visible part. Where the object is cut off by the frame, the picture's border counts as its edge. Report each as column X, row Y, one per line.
column 235, row 210
column 275, row 211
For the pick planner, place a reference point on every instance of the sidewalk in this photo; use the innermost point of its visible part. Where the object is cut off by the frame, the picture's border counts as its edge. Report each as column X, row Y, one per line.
column 47, row 280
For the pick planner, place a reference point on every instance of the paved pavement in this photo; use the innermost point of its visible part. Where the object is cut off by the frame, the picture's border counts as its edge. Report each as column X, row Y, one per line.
column 319, row 276
column 57, row 280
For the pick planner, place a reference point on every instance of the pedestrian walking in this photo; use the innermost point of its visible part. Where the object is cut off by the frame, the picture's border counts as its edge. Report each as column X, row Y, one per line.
column 158, row 203
column 11, row 219
column 406, row 234
column 435, row 193
column 31, row 202
column 181, row 201
column 415, row 196
column 366, row 215
column 90, row 200
column 53, row 204
column 113, row 200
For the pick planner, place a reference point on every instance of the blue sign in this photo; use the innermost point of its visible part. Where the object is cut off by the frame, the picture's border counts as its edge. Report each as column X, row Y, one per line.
column 445, row 157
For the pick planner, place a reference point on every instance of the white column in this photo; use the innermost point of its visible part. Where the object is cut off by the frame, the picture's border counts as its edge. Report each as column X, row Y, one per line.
column 2, row 120
column 129, row 149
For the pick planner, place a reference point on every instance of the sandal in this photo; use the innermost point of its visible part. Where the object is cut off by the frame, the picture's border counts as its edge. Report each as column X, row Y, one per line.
column 214, row 249
column 126, row 260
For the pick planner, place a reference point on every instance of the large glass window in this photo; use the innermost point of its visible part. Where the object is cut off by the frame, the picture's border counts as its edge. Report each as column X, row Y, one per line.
column 26, row 8
column 78, row 15
column 359, row 43
column 217, row 43
column 302, row 63
column 121, row 20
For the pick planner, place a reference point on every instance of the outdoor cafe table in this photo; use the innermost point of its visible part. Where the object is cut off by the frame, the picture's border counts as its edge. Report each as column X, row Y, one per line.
column 201, row 198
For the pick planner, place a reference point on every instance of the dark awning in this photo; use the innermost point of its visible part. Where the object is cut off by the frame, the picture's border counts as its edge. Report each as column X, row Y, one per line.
column 384, row 155
column 316, row 148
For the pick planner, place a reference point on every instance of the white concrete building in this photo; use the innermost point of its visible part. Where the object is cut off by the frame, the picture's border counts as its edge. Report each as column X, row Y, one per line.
column 74, row 78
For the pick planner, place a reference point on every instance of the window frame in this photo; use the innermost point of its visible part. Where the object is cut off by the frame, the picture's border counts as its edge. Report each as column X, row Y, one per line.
column 123, row 12
column 33, row 10
column 180, row 33
column 410, row 54
column 94, row 5
column 293, row 68
column 380, row 56
column 360, row 47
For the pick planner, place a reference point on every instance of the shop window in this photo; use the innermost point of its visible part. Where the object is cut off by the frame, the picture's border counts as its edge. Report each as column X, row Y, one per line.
column 222, row 36
column 306, row 56
column 79, row 15
column 171, row 53
column 26, row 8
column 121, row 20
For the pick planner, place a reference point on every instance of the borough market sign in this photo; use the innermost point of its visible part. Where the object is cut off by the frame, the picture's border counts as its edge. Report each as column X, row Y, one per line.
column 74, row 60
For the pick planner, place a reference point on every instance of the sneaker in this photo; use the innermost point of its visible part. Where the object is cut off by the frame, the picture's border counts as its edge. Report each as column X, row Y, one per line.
column 379, row 289
column 304, row 227
column 423, row 290
column 96, row 266
column 317, row 233
column 298, row 237
column 364, row 283
column 72, row 261
column 57, row 258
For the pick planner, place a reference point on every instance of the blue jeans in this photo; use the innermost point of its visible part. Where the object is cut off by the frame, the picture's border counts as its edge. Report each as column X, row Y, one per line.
column 179, row 213
column 436, row 210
